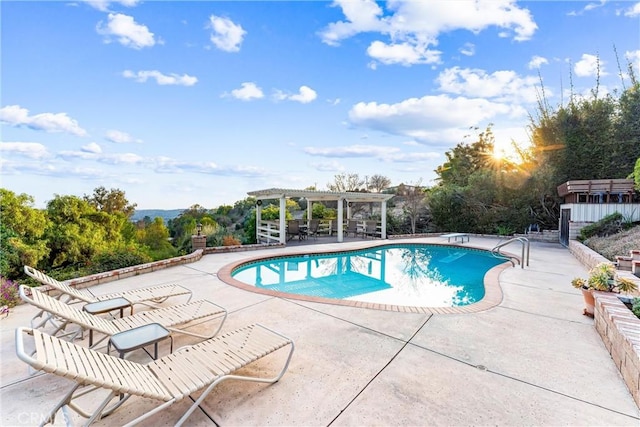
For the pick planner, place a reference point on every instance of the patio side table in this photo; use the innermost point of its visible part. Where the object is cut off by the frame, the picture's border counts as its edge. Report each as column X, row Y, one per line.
column 140, row 337
column 106, row 306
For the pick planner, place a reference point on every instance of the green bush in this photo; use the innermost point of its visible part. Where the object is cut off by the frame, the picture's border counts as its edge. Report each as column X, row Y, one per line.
column 121, row 257
column 505, row 230
column 610, row 224
column 635, row 307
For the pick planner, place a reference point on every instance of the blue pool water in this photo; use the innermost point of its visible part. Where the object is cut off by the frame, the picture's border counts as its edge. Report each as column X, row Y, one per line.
column 409, row 275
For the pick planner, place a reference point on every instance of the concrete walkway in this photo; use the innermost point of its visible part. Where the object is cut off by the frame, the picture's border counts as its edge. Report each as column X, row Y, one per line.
column 532, row 360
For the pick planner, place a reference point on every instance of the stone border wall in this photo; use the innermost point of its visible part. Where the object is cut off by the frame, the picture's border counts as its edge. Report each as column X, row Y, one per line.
column 619, row 329
column 587, row 256
column 122, row 273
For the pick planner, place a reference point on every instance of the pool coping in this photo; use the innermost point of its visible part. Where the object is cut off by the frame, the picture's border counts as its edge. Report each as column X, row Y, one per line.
column 492, row 297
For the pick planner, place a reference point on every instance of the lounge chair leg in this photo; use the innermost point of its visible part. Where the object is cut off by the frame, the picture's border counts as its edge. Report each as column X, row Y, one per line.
column 206, row 392
column 51, row 417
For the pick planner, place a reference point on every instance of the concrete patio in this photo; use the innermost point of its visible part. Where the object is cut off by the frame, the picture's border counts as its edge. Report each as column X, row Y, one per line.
column 532, row 360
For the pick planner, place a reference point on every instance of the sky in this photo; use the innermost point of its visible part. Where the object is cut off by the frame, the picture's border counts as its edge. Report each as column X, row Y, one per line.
column 179, row 103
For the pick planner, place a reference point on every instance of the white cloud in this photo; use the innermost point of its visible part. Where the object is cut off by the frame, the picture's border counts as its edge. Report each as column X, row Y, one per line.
column 403, row 53
column 536, row 62
column 103, row 5
column 226, row 34
column 588, row 66
column 382, row 153
column 351, row 151
column 469, row 49
column 127, row 31
column 32, row 150
column 412, row 27
column 247, row 92
column 161, row 79
column 633, row 56
column 633, row 11
column 15, row 115
column 304, row 96
column 111, row 159
column 92, row 148
column 169, row 165
column 332, row 166
column 501, row 85
column 120, row 137
column 439, row 120
column 362, row 16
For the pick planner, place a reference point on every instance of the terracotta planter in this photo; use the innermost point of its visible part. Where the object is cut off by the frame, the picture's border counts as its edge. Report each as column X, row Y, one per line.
column 589, row 302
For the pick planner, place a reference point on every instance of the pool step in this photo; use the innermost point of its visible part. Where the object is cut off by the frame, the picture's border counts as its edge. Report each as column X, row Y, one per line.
column 454, row 256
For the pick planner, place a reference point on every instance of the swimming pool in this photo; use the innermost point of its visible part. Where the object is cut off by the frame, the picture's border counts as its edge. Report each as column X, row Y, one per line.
column 424, row 275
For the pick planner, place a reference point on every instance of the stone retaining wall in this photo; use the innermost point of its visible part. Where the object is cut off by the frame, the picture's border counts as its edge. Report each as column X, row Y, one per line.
column 620, row 332
column 618, row 327
column 587, row 256
column 122, row 273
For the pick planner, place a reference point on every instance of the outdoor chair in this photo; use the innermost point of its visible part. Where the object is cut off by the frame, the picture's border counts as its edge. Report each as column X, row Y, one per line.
column 352, row 228
column 168, row 380
column 294, row 229
column 186, row 315
column 149, row 296
column 371, row 229
column 313, row 228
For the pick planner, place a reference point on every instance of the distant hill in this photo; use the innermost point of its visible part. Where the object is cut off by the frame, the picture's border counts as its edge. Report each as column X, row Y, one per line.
column 165, row 214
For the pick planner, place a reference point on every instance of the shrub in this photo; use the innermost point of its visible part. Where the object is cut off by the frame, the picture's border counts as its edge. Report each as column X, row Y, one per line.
column 505, row 230
column 230, row 241
column 8, row 292
column 635, row 307
column 118, row 258
column 610, row 224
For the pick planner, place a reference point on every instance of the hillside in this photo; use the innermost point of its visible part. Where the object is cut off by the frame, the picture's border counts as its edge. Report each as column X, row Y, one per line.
column 165, row 214
column 618, row 244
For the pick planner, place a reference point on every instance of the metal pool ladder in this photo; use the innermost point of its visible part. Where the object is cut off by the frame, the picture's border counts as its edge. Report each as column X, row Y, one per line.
column 513, row 259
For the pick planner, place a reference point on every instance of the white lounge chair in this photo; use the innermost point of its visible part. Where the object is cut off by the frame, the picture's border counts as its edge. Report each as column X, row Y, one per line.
column 149, row 296
column 186, row 315
column 167, row 380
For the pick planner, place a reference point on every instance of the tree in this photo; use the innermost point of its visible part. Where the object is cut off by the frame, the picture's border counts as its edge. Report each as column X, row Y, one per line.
column 78, row 231
column 464, row 159
column 414, row 203
column 111, row 201
column 378, row 183
column 345, row 183
column 22, row 229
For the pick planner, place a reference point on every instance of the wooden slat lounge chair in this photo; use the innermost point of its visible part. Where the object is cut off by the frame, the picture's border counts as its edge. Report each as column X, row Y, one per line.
column 186, row 315
column 149, row 296
column 167, row 380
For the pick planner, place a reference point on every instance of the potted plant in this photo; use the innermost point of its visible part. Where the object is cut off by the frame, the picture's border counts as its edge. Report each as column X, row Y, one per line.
column 602, row 278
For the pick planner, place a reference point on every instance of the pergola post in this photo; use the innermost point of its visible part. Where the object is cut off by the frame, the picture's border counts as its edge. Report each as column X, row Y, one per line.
column 383, row 219
column 259, row 219
column 340, row 220
column 283, row 219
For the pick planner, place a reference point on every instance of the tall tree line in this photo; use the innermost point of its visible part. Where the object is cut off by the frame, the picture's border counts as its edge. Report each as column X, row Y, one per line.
column 595, row 137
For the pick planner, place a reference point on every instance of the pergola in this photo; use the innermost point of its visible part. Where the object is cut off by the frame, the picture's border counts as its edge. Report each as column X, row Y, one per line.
column 311, row 196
